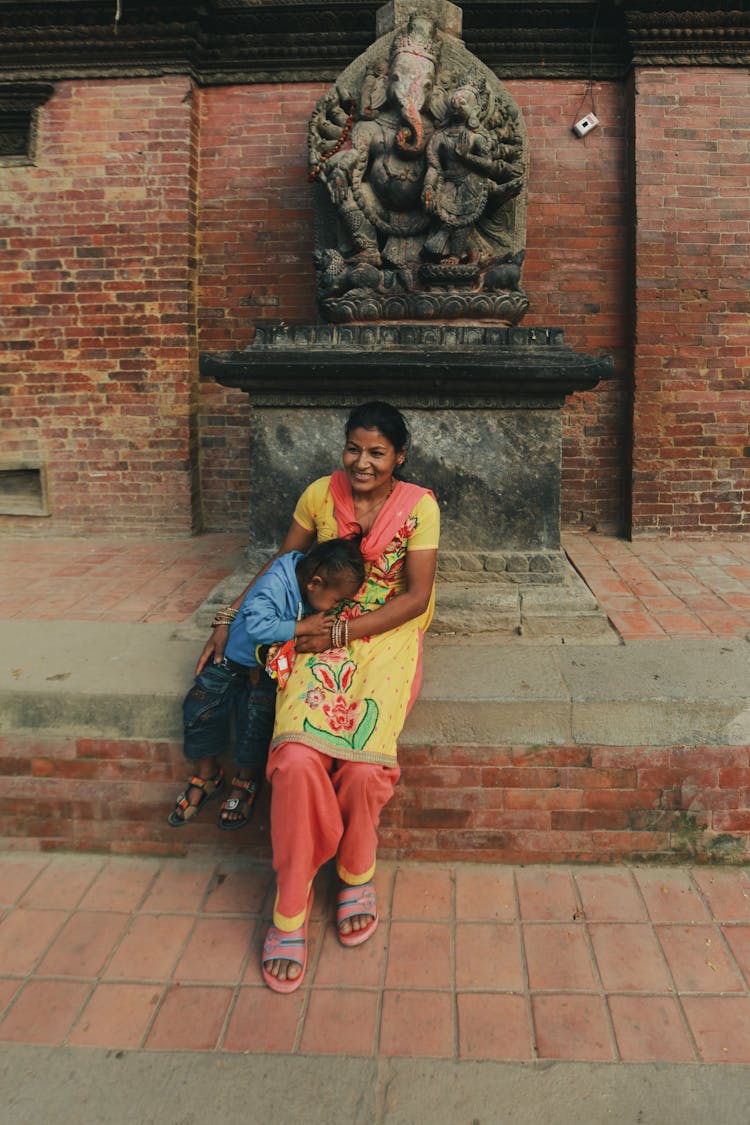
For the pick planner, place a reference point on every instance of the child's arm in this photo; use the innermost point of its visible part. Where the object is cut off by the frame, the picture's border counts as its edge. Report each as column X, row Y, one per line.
column 263, row 620
column 297, row 538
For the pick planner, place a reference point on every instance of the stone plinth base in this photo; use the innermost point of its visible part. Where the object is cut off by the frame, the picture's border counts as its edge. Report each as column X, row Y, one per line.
column 495, row 474
column 483, row 403
column 554, row 606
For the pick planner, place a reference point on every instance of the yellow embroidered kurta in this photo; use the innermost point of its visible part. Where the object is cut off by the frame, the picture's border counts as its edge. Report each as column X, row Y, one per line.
column 351, row 703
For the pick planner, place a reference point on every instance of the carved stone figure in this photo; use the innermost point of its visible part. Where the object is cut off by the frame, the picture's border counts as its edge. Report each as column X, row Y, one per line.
column 467, row 163
column 376, row 181
column 423, row 156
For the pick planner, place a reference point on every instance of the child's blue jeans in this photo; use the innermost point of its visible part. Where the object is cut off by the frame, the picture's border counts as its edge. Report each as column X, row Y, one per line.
column 223, row 692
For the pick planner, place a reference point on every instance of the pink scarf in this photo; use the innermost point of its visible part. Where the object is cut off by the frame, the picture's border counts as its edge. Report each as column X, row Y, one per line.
column 389, row 520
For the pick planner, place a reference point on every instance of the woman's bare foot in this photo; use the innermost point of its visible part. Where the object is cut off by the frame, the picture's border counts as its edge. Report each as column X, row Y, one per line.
column 354, row 924
column 356, row 913
column 285, row 956
column 283, row 970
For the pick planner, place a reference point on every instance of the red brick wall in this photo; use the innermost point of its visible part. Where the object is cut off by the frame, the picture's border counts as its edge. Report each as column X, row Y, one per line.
column 256, row 243
column 577, row 276
column 691, row 469
column 519, row 804
column 99, row 376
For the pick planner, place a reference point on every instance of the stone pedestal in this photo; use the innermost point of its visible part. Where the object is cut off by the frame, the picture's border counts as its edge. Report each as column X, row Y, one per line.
column 484, row 409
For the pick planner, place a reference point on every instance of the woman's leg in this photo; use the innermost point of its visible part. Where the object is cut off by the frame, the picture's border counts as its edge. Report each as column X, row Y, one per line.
column 305, row 825
column 305, row 830
column 362, row 791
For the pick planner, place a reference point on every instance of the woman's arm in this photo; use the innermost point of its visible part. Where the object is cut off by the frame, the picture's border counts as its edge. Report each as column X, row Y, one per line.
column 297, row 538
column 419, row 577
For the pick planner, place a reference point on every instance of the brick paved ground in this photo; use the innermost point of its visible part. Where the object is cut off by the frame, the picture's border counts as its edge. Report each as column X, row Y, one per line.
column 496, row 962
column 649, row 588
column 667, row 587
column 103, row 579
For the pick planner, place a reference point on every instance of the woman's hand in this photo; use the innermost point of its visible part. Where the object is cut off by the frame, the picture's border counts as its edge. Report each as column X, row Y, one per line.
column 213, row 650
column 313, row 644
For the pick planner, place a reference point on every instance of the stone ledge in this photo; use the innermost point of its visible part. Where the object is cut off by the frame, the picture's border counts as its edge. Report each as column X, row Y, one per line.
column 127, row 681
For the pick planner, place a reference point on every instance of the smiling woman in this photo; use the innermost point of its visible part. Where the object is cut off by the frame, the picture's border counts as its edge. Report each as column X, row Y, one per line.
column 333, row 760
column 333, row 755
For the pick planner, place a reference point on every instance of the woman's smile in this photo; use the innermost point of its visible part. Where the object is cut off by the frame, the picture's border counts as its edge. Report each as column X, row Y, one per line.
column 370, row 459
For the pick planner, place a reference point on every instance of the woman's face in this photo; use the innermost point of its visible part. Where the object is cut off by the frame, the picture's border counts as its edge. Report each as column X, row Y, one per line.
column 370, row 460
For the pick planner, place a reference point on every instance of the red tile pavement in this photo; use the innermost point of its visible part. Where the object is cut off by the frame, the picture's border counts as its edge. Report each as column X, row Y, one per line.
column 494, row 975
column 117, row 1015
column 44, row 1011
column 265, row 1022
column 84, row 945
column 650, row 588
column 62, row 885
column 721, row 1027
column 417, row 1024
column 648, row 1028
column 493, row 1026
column 546, row 894
column 738, row 940
column 96, row 579
column 699, row 960
column 661, row 588
column 570, row 1026
column 189, row 1019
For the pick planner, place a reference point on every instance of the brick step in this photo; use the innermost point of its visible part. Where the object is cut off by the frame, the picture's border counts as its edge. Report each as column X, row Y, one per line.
column 514, row 752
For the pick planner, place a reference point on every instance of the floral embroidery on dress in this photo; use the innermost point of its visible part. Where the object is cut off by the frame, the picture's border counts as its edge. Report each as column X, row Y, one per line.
column 384, row 574
column 349, row 722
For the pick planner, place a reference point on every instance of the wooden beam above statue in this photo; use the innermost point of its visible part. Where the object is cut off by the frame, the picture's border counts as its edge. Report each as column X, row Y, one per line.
column 246, row 41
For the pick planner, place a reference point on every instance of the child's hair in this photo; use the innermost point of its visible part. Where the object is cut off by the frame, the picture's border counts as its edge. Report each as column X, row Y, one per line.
column 335, row 561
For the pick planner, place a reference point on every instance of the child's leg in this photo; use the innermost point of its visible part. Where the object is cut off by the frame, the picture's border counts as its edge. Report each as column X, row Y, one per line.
column 206, row 713
column 254, row 716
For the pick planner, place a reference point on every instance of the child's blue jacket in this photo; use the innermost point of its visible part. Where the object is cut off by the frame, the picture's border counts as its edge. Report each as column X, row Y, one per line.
column 268, row 612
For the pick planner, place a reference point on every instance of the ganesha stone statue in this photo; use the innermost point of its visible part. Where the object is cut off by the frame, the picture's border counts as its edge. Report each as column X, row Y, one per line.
column 422, row 155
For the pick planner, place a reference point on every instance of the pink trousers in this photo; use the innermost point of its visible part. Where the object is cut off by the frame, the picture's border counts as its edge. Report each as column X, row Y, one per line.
column 321, row 807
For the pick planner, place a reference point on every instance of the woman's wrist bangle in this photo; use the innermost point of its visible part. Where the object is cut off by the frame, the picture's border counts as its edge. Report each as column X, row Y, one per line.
column 340, row 633
column 224, row 616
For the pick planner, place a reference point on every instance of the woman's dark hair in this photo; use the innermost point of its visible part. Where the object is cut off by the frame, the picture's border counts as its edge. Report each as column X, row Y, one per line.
column 334, row 561
column 380, row 416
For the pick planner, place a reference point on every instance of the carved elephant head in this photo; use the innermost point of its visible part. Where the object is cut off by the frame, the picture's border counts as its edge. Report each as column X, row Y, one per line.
column 411, row 78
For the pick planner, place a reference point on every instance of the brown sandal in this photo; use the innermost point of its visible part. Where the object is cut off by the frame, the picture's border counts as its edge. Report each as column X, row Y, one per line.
column 242, row 805
column 184, row 810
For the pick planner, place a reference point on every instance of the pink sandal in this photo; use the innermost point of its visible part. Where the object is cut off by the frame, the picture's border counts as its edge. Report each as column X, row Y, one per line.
column 282, row 945
column 353, row 901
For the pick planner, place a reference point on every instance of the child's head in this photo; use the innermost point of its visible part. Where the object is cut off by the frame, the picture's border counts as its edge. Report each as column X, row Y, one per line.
column 330, row 573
